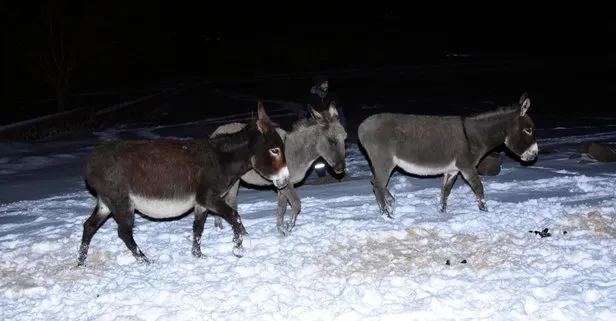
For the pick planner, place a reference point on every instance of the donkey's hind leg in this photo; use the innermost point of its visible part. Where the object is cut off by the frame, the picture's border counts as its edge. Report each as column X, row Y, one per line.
column 124, row 215
column 90, row 226
column 448, row 180
column 472, row 177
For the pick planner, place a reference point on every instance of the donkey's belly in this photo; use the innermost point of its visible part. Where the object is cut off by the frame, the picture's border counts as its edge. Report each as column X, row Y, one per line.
column 162, row 208
column 424, row 169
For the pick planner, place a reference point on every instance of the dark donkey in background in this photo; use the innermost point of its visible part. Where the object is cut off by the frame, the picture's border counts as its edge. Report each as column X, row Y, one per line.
column 432, row 145
column 167, row 178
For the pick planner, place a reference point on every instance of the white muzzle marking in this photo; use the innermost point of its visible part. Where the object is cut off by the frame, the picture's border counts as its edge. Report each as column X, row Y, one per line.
column 281, row 179
column 530, row 153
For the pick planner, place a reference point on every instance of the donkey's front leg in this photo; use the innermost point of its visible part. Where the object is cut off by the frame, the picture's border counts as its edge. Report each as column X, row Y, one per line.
column 287, row 194
column 381, row 170
column 473, row 179
column 216, row 204
column 282, row 208
column 231, row 199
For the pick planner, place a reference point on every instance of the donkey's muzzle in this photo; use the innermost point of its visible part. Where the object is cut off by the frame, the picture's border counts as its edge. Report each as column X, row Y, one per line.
column 339, row 170
column 281, row 179
column 530, row 154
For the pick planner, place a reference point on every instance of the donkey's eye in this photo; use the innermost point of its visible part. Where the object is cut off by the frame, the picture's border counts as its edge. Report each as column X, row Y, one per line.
column 274, row 151
column 528, row 131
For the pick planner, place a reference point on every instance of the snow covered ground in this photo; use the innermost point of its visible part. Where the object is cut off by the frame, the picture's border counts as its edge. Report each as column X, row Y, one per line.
column 342, row 262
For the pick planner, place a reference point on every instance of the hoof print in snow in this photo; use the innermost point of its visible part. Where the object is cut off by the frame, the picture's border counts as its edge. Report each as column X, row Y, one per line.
column 543, row 233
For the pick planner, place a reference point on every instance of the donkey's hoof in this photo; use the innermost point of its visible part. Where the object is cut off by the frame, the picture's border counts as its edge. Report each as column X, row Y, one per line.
column 282, row 230
column 218, row 223
column 483, row 208
column 387, row 211
column 143, row 260
column 387, row 215
column 238, row 251
column 197, row 253
column 285, row 229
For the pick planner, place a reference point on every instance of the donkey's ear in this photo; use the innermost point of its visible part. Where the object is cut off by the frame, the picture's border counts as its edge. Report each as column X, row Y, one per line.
column 315, row 114
column 524, row 103
column 332, row 109
column 263, row 120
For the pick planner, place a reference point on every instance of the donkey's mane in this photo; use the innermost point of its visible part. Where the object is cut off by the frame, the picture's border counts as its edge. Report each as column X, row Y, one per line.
column 311, row 121
column 500, row 111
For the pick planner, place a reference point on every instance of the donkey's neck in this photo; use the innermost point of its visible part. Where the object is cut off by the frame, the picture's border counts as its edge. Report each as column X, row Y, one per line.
column 301, row 151
column 486, row 132
column 236, row 151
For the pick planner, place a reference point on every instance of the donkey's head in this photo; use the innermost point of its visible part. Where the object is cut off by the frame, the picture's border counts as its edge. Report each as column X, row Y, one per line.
column 520, row 137
column 330, row 138
column 269, row 159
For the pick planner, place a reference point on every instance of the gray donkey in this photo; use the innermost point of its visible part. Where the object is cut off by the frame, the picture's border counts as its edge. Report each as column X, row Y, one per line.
column 320, row 135
column 432, row 145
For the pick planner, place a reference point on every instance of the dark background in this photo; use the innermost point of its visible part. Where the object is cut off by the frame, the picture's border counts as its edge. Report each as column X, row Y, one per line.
column 562, row 54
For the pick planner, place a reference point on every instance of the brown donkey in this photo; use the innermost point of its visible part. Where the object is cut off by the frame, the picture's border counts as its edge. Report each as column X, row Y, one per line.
column 166, row 178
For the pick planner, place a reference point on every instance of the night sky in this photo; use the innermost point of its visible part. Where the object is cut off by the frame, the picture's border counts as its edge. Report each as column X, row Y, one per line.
column 132, row 44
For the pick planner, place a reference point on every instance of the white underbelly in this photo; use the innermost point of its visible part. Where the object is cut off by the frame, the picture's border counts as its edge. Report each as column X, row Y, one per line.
column 423, row 169
column 167, row 208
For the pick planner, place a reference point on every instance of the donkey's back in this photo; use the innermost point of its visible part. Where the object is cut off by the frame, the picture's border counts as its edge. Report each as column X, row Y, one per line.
column 161, row 169
column 427, row 144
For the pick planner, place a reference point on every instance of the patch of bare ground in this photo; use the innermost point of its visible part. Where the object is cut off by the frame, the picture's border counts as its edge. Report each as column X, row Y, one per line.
column 594, row 221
